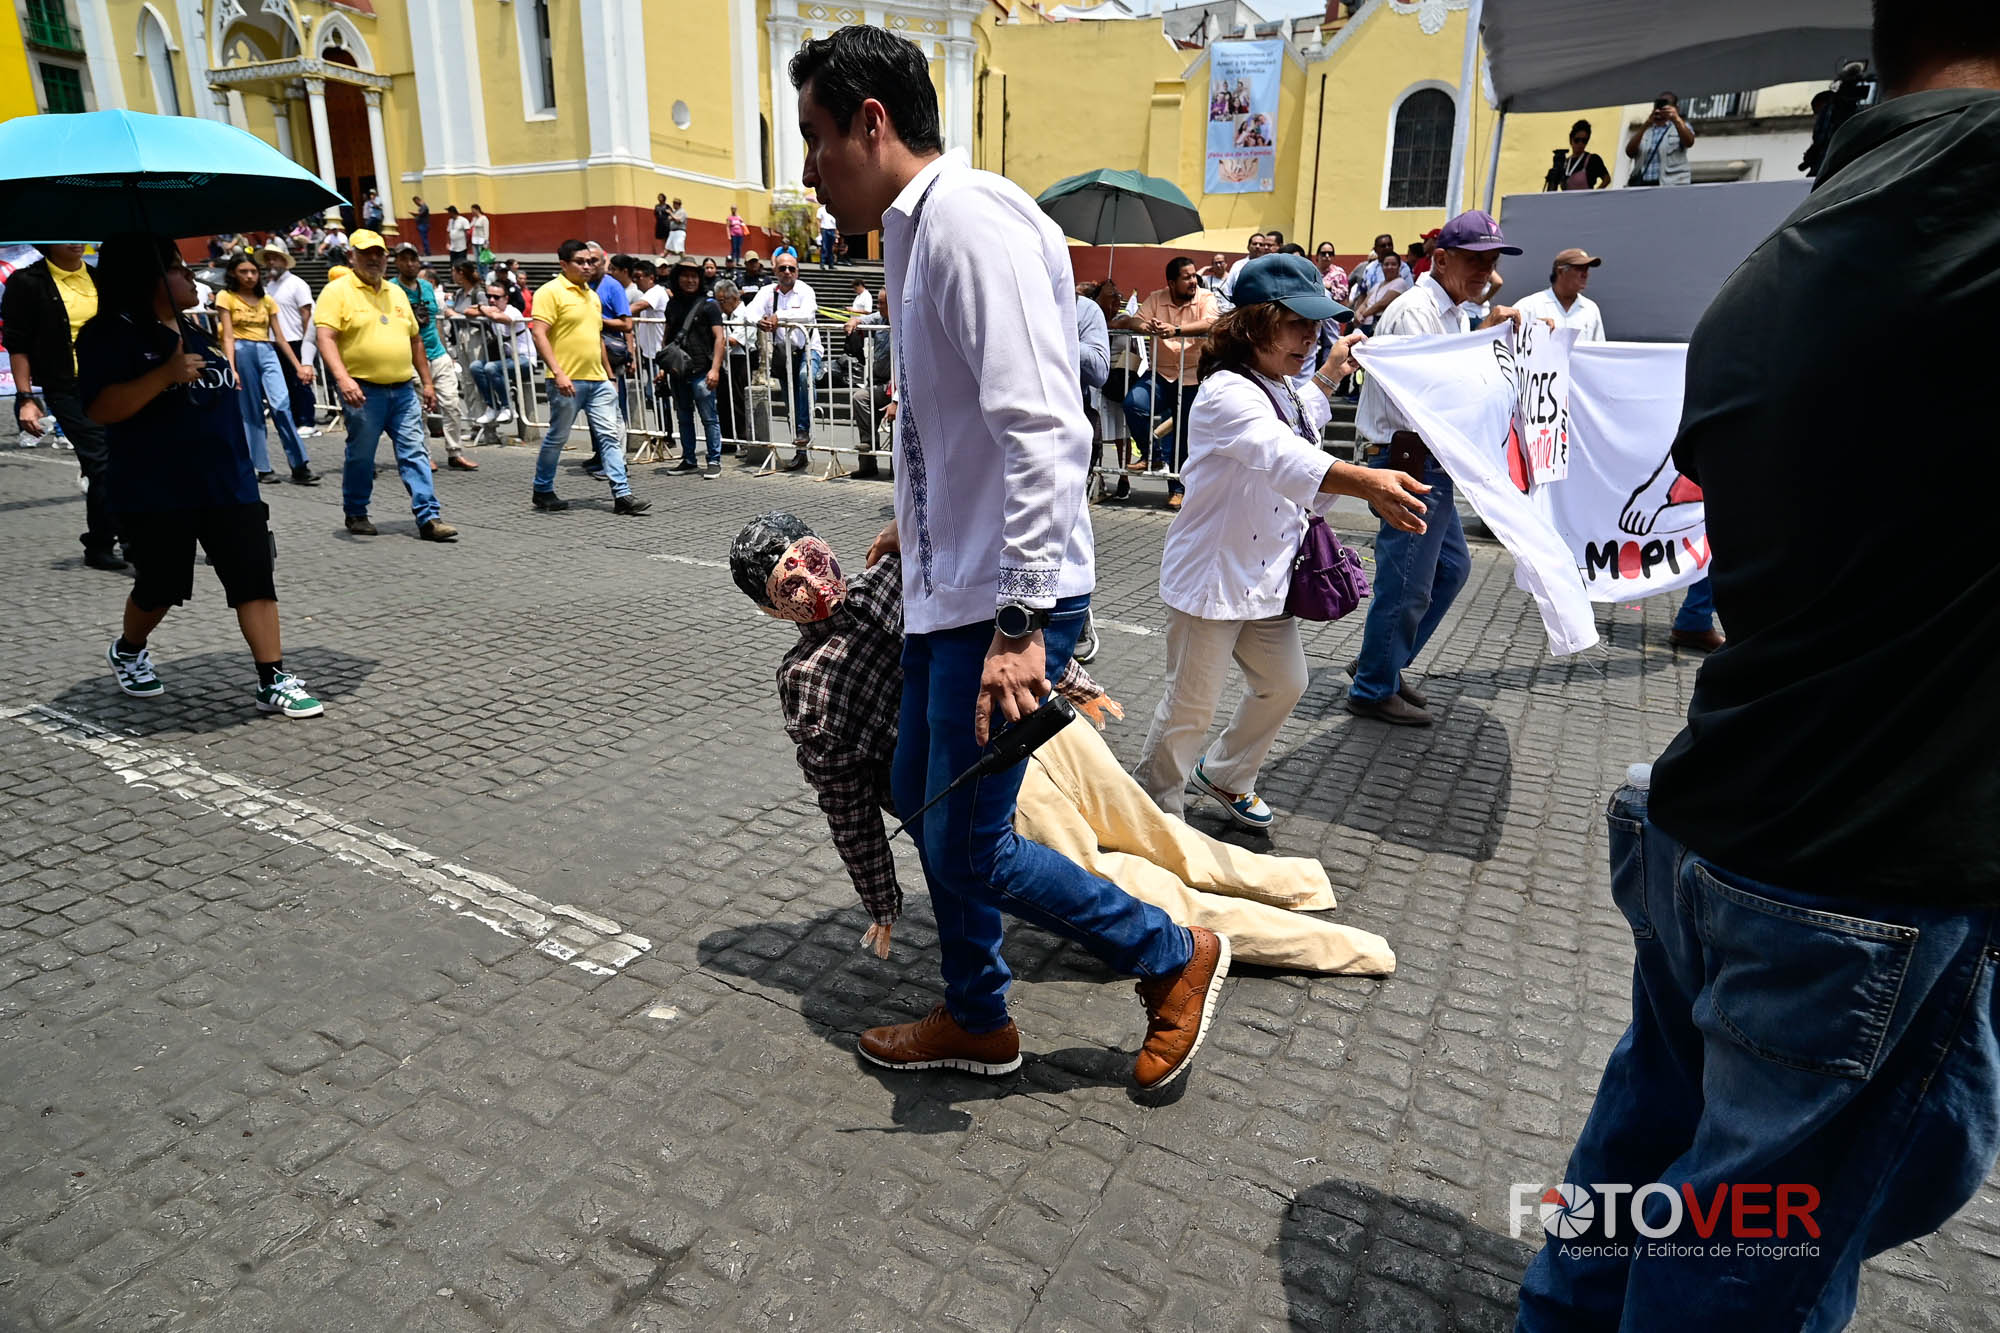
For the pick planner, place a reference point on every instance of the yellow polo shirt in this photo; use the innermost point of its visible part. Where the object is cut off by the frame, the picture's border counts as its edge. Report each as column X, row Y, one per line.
column 576, row 327
column 249, row 320
column 79, row 297
column 372, row 326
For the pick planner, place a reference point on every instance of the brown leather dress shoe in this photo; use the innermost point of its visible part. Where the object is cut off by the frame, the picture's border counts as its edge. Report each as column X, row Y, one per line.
column 1395, row 710
column 1410, row 693
column 936, row 1041
column 1700, row 641
column 1178, row 1010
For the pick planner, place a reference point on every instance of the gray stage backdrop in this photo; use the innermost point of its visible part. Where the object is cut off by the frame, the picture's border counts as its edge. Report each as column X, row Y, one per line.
column 1666, row 250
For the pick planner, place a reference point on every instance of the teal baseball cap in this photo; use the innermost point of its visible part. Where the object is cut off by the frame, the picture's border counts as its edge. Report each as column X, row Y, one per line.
column 1292, row 282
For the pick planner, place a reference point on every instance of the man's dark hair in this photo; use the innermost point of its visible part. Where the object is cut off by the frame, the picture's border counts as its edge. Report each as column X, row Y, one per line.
column 451, row 208
column 645, row 267
column 570, row 249
column 1581, row 127
column 1670, row 96
column 1276, row 237
column 467, row 266
column 622, row 261
column 130, row 267
column 1292, row 248
column 1255, row 234
column 1907, row 36
column 1178, row 265
column 858, row 62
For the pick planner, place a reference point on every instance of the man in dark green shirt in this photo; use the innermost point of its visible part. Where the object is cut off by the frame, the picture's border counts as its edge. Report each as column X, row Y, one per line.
column 1813, row 878
column 425, row 306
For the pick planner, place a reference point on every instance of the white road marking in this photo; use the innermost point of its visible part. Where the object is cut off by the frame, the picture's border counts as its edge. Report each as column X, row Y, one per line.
column 568, row 934
column 690, row 560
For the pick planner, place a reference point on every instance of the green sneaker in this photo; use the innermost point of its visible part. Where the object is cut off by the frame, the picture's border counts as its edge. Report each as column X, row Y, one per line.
column 287, row 695
column 134, row 673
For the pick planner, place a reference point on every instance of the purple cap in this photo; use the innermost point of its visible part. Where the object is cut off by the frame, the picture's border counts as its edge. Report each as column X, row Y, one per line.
column 1474, row 231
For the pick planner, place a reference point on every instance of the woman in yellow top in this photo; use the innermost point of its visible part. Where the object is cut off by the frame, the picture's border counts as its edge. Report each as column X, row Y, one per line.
column 247, row 315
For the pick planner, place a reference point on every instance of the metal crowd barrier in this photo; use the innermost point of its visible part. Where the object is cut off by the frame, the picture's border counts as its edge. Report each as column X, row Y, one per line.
column 1139, row 422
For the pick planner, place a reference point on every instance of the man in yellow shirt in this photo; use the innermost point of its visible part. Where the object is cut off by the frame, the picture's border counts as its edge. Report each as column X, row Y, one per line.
column 46, row 305
column 373, row 352
column 568, row 327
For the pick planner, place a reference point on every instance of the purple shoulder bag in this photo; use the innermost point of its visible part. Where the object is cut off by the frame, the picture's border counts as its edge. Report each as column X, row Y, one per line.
column 1327, row 578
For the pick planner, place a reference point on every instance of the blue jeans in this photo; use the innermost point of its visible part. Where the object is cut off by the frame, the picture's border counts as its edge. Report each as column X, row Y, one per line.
column 262, row 377
column 424, row 235
column 1697, row 613
column 495, row 381
column 801, row 373
column 1776, row 1038
column 829, row 249
column 735, row 251
column 974, row 862
column 1151, row 401
column 396, row 409
column 1417, row 576
column 598, row 401
column 690, row 395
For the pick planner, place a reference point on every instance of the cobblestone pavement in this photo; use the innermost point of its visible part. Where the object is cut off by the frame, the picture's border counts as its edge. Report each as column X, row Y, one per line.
column 277, row 1051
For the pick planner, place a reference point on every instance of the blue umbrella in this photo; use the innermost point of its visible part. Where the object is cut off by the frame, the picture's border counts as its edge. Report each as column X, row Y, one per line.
column 84, row 176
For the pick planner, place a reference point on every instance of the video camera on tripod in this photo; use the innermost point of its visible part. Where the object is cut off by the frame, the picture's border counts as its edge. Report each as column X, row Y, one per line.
column 1853, row 89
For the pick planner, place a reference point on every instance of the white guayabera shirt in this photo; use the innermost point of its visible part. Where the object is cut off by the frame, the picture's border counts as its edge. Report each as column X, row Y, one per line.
column 992, row 444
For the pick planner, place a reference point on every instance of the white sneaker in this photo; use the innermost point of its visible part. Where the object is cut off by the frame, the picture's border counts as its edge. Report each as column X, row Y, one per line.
column 485, row 418
column 506, row 415
column 134, row 673
column 287, row 695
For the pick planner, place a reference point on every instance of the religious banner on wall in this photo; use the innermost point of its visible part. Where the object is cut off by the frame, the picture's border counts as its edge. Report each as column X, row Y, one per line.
column 1563, row 449
column 1242, row 153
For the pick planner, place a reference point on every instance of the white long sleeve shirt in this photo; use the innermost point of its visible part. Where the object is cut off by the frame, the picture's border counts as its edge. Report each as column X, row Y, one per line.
column 1582, row 315
column 1252, row 480
column 797, row 310
column 992, row 445
column 1425, row 308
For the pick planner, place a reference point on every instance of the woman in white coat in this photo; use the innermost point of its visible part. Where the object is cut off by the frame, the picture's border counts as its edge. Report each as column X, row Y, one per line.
column 1255, row 471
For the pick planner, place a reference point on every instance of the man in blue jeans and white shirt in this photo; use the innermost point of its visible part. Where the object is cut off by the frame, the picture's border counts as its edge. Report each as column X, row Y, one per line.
column 1812, row 875
column 1419, row 574
column 992, row 449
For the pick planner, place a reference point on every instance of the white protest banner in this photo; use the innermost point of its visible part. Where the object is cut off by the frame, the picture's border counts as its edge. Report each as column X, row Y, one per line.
column 1460, row 392
column 1635, row 526
column 1540, row 450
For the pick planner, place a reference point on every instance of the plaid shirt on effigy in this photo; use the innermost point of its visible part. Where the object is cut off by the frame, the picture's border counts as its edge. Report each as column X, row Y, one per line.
column 841, row 686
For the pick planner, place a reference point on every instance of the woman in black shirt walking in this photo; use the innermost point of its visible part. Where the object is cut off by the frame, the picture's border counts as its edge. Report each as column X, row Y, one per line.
column 180, row 468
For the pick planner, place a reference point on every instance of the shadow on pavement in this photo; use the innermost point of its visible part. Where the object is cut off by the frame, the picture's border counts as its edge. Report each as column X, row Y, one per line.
column 843, row 991
column 1353, row 1257
column 206, row 692
column 1443, row 788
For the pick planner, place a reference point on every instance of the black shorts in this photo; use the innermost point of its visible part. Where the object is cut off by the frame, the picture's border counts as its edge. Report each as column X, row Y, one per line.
column 161, row 545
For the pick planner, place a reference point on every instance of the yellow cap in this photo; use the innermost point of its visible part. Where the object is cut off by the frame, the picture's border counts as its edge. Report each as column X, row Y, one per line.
column 365, row 240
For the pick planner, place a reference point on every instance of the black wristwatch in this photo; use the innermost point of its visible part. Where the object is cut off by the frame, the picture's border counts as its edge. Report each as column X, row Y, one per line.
column 1018, row 622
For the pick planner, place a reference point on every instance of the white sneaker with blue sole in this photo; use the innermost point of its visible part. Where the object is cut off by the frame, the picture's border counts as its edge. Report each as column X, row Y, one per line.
column 1245, row 807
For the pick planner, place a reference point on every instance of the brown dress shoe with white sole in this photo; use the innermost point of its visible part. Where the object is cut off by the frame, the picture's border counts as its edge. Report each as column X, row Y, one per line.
column 936, row 1041
column 1178, row 1009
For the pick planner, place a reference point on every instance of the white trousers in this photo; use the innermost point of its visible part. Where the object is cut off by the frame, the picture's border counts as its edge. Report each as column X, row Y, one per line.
column 1198, row 656
column 451, row 405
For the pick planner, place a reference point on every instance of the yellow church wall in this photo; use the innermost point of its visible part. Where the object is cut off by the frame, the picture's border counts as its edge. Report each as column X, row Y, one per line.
column 1382, row 56
column 17, row 85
